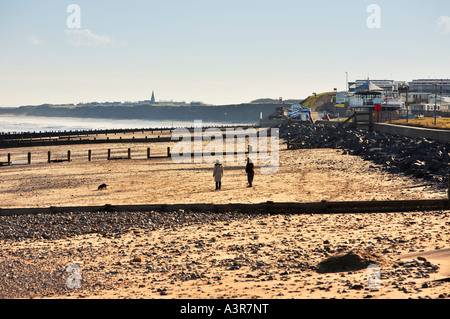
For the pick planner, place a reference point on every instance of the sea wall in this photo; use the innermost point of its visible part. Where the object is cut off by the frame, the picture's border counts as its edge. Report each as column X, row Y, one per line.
column 420, row 157
column 416, row 132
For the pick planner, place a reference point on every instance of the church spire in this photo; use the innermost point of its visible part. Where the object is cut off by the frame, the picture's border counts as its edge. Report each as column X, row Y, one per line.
column 153, row 97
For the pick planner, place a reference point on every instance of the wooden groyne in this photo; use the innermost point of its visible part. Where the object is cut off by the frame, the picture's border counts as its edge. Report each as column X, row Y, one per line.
column 44, row 134
column 15, row 140
column 269, row 207
column 112, row 155
column 78, row 141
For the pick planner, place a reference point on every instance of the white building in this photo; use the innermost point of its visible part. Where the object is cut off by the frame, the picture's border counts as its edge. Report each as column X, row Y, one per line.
column 368, row 95
column 343, row 97
column 423, row 107
column 416, row 97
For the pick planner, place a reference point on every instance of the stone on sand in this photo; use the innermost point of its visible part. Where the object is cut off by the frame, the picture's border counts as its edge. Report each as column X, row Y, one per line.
column 351, row 261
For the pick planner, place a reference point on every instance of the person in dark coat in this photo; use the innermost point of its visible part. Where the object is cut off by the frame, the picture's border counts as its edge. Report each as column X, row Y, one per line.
column 250, row 170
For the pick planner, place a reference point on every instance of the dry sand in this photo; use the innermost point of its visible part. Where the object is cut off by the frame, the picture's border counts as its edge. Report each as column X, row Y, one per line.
column 265, row 256
column 303, row 176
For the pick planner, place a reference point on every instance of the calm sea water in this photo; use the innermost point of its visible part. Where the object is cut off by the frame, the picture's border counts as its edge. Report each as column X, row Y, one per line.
column 46, row 124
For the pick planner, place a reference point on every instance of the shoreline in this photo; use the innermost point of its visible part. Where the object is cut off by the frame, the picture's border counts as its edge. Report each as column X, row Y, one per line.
column 77, row 124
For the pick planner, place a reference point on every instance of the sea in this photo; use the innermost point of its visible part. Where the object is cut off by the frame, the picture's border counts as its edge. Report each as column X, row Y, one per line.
column 21, row 124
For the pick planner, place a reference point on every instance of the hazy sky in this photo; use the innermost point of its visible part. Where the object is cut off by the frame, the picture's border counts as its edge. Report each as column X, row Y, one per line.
column 217, row 52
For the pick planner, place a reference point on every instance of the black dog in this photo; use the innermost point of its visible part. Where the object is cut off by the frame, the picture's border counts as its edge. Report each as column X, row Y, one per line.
column 103, row 186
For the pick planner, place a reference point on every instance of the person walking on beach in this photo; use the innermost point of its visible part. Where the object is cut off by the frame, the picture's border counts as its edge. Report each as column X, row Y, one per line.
column 249, row 169
column 217, row 174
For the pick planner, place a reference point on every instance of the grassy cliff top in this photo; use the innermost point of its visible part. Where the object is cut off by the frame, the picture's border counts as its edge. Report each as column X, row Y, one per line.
column 310, row 100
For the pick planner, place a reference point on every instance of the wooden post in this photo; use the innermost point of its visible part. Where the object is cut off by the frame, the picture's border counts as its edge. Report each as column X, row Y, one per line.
column 29, row 158
column 148, row 152
column 109, row 154
column 129, row 152
column 89, row 155
column 9, row 158
column 68, row 156
column 448, row 190
column 49, row 156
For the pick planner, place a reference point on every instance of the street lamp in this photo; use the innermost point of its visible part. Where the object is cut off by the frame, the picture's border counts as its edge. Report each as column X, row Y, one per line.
column 435, row 94
column 404, row 89
column 407, row 106
column 346, row 81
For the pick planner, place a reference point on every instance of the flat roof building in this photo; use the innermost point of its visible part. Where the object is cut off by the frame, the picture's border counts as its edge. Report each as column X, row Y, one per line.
column 430, row 86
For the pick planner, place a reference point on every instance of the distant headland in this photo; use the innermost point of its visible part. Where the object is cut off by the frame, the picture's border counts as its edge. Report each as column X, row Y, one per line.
column 151, row 110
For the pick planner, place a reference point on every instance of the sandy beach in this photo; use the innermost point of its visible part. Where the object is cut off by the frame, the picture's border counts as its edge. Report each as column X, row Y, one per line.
column 302, row 176
column 188, row 255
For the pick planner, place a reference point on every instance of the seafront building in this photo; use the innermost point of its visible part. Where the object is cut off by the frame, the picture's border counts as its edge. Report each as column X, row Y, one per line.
column 435, row 86
column 371, row 95
column 385, row 85
column 417, row 97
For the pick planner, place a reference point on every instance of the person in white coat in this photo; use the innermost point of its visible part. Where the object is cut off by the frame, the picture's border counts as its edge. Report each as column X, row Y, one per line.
column 217, row 174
